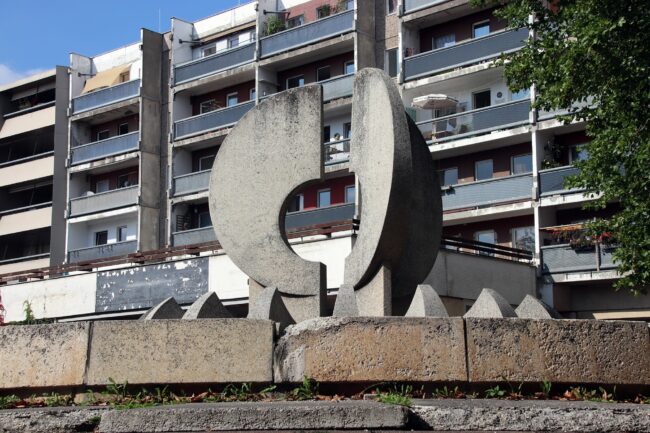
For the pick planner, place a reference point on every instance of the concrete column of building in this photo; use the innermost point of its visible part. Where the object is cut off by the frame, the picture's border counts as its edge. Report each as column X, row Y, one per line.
column 364, row 35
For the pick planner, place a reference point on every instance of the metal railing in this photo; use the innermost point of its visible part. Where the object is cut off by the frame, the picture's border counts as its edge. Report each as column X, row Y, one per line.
column 551, row 181
column 24, row 258
column 337, row 87
column 215, row 63
column 103, row 148
column 306, row 34
column 210, row 121
column 337, row 152
column 25, row 208
column 484, row 248
column 475, row 122
column 103, row 201
column 102, row 251
column 192, row 182
column 194, row 236
column 26, row 159
column 464, row 53
column 109, row 95
column 319, row 216
column 563, row 258
column 488, row 192
column 415, row 5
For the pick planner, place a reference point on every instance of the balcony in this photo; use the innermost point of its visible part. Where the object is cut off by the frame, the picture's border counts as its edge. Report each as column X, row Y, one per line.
column 194, row 236
column 192, row 182
column 337, row 87
column 107, row 96
column 415, row 5
column 464, row 53
column 210, row 121
column 215, row 63
column 488, row 192
column 103, row 148
column 307, row 34
column 551, row 181
column 102, row 251
column 319, row 216
column 565, row 259
column 475, row 122
column 337, row 152
column 104, row 201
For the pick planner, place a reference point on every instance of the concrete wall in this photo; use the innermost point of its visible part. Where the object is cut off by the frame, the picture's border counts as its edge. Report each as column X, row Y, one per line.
column 225, row 20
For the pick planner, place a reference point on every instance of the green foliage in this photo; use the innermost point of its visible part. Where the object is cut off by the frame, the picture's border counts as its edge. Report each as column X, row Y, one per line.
column 306, row 391
column 235, row 392
column 592, row 59
column 400, row 396
column 445, row 392
column 494, row 392
column 29, row 313
column 583, row 393
column 274, row 25
column 546, row 388
column 117, row 389
column 8, row 401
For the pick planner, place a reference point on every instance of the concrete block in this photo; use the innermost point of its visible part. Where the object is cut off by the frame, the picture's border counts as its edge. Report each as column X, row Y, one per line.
column 377, row 349
column 490, row 304
column 43, row 355
column 51, row 419
column 562, row 351
column 208, row 306
column 426, row 303
column 181, row 351
column 167, row 309
column 533, row 308
column 269, row 306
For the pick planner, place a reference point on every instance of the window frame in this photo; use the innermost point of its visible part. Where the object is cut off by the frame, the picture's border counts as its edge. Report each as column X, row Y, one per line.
column 203, row 103
column 121, row 176
column 294, row 77
column 513, row 243
column 347, row 130
column 433, row 41
column 301, row 203
column 118, row 234
column 474, row 107
column 108, row 134
column 329, row 70
column 387, row 65
column 201, row 215
column 202, row 158
column 395, row 7
column 290, row 21
column 345, row 67
column 102, row 182
column 512, row 163
column 442, row 176
column 572, row 159
column 477, row 235
column 476, row 163
column 318, row 198
column 212, row 46
column 119, row 128
column 229, row 95
column 101, row 232
column 252, row 93
column 348, row 188
column 479, row 23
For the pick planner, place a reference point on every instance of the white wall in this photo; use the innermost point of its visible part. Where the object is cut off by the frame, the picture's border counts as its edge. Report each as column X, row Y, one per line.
column 336, row 124
column 78, row 65
column 120, row 56
column 224, row 20
column 111, row 226
column 181, row 30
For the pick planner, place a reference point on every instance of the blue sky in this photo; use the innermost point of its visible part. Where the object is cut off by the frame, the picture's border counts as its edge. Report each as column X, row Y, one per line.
column 39, row 34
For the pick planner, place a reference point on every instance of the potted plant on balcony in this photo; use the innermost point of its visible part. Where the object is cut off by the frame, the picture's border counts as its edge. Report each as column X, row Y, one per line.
column 274, row 25
column 325, row 10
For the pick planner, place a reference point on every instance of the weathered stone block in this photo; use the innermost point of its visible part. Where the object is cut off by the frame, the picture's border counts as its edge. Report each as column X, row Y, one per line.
column 568, row 351
column 181, row 351
column 43, row 355
column 372, row 349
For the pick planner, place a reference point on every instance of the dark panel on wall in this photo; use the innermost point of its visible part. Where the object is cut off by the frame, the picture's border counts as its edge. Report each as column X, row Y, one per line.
column 145, row 286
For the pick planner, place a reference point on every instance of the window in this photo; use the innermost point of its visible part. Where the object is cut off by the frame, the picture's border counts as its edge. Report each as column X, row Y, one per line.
column 251, row 94
column 523, row 238
column 444, row 41
column 483, row 170
column 347, row 130
column 205, row 162
column 348, row 67
column 578, row 153
column 391, row 62
column 323, row 11
column 391, row 6
column 208, row 51
column 349, row 5
column 324, row 198
column 297, row 81
column 326, row 133
column 123, row 181
column 101, row 186
column 205, row 220
column 487, row 236
column 481, row 29
column 296, row 204
column 522, row 94
column 482, row 99
column 122, row 233
column 123, row 129
column 522, row 164
column 101, row 238
column 207, row 106
column 232, row 99
column 124, row 77
column 233, row 41
column 103, row 135
column 295, row 21
column 323, row 73
column 449, row 176
column 350, row 194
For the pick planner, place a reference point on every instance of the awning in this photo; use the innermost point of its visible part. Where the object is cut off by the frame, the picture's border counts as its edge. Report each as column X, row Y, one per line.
column 434, row 102
column 105, row 78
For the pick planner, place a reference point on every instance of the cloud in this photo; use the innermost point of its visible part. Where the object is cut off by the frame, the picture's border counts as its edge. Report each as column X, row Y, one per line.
column 8, row 75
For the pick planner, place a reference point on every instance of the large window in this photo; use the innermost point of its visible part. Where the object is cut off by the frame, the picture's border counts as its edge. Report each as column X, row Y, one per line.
column 324, row 198
column 523, row 238
column 522, row 164
column 449, row 176
column 483, row 169
column 482, row 99
column 297, row 81
column 444, row 41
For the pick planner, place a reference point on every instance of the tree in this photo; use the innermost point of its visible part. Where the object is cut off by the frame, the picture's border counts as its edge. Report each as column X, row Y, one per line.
column 592, row 58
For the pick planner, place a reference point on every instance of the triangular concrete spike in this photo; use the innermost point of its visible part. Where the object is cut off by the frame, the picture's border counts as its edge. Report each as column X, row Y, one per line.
column 269, row 306
column 533, row 308
column 346, row 302
column 208, row 306
column 167, row 309
column 426, row 303
column 490, row 304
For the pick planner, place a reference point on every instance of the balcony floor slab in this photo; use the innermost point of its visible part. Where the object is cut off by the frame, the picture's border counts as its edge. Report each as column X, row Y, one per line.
column 102, row 114
column 451, row 218
column 230, row 77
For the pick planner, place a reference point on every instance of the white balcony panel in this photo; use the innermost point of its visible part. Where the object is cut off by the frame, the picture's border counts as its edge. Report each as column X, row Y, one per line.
column 28, row 122
column 30, row 170
column 25, row 221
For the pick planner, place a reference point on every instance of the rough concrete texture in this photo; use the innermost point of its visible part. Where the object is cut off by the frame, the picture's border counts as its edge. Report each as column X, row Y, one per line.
column 490, row 304
column 167, row 309
column 533, row 308
column 375, row 298
column 43, row 355
column 249, row 219
column 529, row 416
column 50, row 420
column 566, row 351
column 368, row 349
column 181, row 351
column 257, row 416
column 269, row 306
column 208, row 306
column 426, row 303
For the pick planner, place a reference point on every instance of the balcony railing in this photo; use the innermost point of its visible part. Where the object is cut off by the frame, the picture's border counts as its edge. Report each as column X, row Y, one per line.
column 109, row 95
column 194, row 236
column 215, row 63
column 309, row 33
column 488, row 192
column 102, row 251
column 337, row 87
column 319, row 216
column 464, row 53
column 564, row 259
column 192, row 182
column 551, row 181
column 25, row 258
column 337, row 152
column 103, row 201
column 103, row 148
column 414, row 5
column 475, row 122
column 210, row 121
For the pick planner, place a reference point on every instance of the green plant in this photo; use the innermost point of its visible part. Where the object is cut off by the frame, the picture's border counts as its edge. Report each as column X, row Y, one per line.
column 29, row 313
column 325, row 10
column 274, row 25
column 306, row 391
column 119, row 390
column 399, row 396
column 8, row 401
column 546, row 388
column 445, row 392
column 494, row 392
column 238, row 393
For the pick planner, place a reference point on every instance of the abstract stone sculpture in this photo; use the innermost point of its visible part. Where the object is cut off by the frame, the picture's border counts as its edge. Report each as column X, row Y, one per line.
column 490, row 304
column 208, row 306
column 533, row 308
column 167, row 309
column 426, row 303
